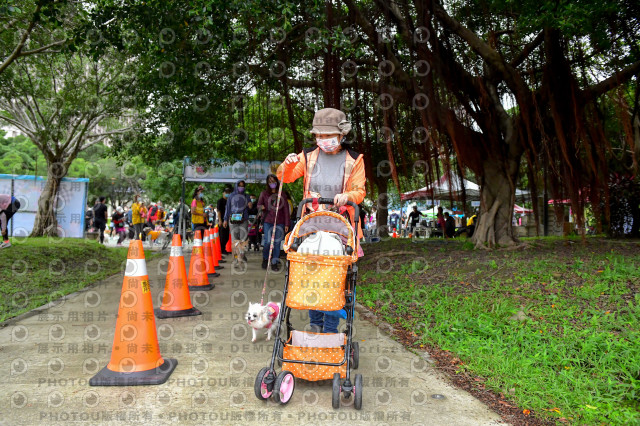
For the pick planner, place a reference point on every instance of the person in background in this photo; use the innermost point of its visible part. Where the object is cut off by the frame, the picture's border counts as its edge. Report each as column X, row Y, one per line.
column 128, row 220
column 176, row 219
column 110, row 225
column 88, row 218
column 253, row 223
column 267, row 206
column 449, row 225
column 253, row 229
column 440, row 219
column 211, row 216
column 137, row 218
column 414, row 216
column 363, row 216
column 8, row 207
column 100, row 217
column 393, row 221
column 160, row 215
column 170, row 214
column 198, row 219
column 118, row 219
column 144, row 214
column 236, row 215
column 151, row 210
column 221, row 210
column 441, row 222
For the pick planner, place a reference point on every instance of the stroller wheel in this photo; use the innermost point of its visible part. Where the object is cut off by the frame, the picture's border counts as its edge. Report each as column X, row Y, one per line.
column 357, row 392
column 261, row 388
column 335, row 395
column 355, row 355
column 283, row 389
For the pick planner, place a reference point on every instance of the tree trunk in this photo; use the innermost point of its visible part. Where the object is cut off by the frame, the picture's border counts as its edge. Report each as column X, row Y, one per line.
column 46, row 223
column 496, row 205
column 382, row 207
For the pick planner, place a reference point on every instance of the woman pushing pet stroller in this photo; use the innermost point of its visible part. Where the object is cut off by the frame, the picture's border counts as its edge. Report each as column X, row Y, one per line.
column 330, row 170
column 320, row 280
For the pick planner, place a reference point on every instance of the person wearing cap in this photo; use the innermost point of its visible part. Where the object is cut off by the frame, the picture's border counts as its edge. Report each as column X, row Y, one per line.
column 117, row 218
column 330, row 170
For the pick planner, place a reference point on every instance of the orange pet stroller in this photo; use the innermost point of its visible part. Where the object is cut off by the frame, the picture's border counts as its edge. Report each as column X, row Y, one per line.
column 325, row 282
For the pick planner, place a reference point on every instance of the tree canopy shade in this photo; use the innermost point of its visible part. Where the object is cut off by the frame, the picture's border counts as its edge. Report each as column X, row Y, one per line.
column 489, row 83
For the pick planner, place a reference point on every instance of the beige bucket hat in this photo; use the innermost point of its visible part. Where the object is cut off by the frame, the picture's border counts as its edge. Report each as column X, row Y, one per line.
column 330, row 121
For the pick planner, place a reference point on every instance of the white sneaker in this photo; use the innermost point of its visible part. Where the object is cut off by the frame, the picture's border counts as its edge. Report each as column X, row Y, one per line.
column 5, row 244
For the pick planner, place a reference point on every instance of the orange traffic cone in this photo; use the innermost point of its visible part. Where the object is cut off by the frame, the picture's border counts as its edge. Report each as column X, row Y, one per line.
column 175, row 300
column 394, row 233
column 197, row 278
column 229, row 248
column 215, row 256
column 220, row 258
column 208, row 255
column 135, row 356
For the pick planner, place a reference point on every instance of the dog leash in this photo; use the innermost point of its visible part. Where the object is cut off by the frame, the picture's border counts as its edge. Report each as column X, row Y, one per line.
column 273, row 235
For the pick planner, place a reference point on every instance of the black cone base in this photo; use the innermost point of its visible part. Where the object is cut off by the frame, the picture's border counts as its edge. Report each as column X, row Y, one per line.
column 214, row 275
column 174, row 314
column 219, row 267
column 222, row 260
column 155, row 376
column 202, row 287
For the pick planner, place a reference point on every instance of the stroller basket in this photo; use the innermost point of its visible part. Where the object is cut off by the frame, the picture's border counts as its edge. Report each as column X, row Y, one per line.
column 317, row 282
column 313, row 348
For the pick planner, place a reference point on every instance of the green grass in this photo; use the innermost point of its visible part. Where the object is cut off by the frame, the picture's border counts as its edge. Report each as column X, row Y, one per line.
column 36, row 271
column 575, row 358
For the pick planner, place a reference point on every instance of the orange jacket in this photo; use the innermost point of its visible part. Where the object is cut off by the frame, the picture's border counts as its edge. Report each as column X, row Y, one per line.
column 354, row 177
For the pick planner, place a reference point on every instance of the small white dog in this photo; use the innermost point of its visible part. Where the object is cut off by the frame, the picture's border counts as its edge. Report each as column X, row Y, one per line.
column 259, row 317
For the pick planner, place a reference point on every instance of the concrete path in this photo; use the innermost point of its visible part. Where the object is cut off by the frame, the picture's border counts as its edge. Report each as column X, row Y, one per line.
column 50, row 354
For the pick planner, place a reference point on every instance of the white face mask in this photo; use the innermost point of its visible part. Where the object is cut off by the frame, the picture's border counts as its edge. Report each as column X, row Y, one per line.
column 328, row 145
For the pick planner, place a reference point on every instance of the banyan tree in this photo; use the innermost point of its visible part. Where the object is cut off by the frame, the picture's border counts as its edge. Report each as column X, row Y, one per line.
column 508, row 91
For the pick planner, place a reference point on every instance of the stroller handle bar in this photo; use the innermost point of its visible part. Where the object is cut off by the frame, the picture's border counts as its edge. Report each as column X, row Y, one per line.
column 330, row 201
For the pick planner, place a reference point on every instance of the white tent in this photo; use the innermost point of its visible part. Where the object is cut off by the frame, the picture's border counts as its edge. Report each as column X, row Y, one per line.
column 433, row 211
column 444, row 189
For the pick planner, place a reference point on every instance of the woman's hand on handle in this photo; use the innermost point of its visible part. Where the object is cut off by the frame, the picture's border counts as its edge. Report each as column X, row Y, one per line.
column 291, row 158
column 340, row 200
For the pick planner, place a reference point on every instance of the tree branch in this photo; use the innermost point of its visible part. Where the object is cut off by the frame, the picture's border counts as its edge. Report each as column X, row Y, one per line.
column 527, row 49
column 18, row 49
column 612, row 82
column 42, row 49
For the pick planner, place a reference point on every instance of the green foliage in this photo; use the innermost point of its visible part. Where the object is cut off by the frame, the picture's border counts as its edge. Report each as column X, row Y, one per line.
column 572, row 353
column 53, row 268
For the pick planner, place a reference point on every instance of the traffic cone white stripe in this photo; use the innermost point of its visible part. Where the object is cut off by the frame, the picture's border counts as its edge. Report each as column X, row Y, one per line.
column 135, row 268
column 175, row 251
column 197, row 243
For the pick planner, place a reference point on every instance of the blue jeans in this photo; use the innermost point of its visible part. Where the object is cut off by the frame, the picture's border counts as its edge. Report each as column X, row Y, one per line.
column 327, row 323
column 266, row 241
